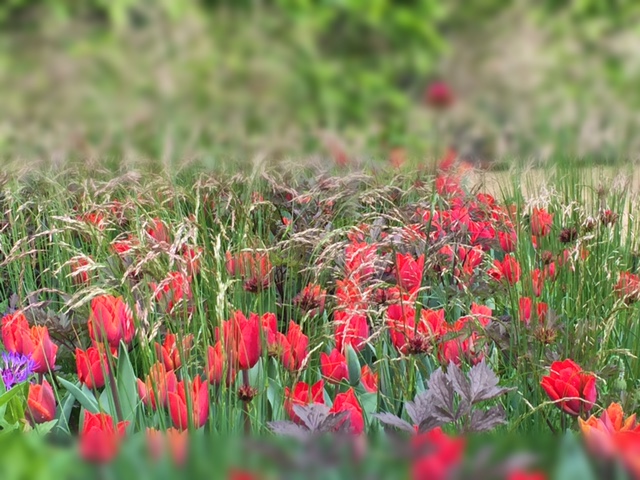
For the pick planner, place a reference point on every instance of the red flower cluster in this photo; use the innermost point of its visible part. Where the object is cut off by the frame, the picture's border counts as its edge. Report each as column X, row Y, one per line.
column 302, row 394
column 431, row 330
column 253, row 267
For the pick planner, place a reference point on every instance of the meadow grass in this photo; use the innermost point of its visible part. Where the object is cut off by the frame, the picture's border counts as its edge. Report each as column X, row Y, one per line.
column 302, row 220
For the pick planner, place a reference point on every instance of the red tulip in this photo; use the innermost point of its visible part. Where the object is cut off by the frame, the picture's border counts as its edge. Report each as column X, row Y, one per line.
column 92, row 365
column 334, row 366
column 508, row 241
column 359, row 261
column 242, row 336
column 13, row 325
column 294, row 346
column 96, row 219
column 541, row 222
column 347, row 402
column 369, row 379
column 352, row 329
column 157, row 386
column 311, row 299
column 470, row 258
column 176, row 287
column 542, row 309
column 122, row 247
column 408, row 338
column 100, row 438
column 218, row 367
column 467, row 347
column 269, row 324
column 409, row 272
column 627, row 288
column 79, row 272
column 158, row 231
column 448, row 185
column 524, row 309
column 302, row 394
column 41, row 403
column 169, row 352
column 199, row 403
column 537, row 279
column 36, row 343
column 191, row 256
column 510, row 268
column 253, row 267
column 568, row 383
column 110, row 320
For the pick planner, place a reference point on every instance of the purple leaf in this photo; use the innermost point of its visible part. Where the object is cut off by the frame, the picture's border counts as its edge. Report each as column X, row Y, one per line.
column 420, row 408
column 461, row 385
column 441, row 396
column 312, row 415
column 429, row 424
column 332, row 421
column 484, row 383
column 288, row 429
column 483, row 420
column 394, row 421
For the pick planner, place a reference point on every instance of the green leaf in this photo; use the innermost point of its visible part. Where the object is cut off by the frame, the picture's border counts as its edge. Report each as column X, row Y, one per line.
column 105, row 402
column 573, row 463
column 6, row 397
column 256, row 374
column 16, row 404
column 88, row 402
column 127, row 385
column 354, row 366
column 63, row 412
column 44, row 428
column 369, row 403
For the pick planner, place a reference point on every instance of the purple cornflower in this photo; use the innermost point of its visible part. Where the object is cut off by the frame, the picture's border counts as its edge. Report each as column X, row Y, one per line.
column 15, row 368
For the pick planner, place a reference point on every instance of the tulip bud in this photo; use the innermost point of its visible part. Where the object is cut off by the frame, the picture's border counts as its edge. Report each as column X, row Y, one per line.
column 41, row 403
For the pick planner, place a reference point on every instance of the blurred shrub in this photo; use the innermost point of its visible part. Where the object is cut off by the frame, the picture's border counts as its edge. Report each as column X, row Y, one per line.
column 233, row 78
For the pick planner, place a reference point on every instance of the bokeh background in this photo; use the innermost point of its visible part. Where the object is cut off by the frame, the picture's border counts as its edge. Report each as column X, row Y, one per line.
column 216, row 82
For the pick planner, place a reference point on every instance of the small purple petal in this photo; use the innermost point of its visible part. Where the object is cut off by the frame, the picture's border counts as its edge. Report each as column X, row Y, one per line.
column 15, row 368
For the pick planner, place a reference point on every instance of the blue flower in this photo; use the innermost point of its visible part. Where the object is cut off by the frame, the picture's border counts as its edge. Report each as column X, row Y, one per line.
column 15, row 368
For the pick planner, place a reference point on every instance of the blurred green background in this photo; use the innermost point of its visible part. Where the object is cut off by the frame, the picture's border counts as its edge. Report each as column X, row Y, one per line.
column 214, row 82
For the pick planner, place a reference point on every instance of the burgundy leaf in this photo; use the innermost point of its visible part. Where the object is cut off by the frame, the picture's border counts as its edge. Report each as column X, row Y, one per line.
column 288, row 429
column 312, row 415
column 394, row 421
column 484, row 383
column 483, row 420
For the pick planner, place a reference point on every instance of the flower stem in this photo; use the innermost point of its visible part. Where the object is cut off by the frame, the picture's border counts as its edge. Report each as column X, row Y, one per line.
column 245, row 405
